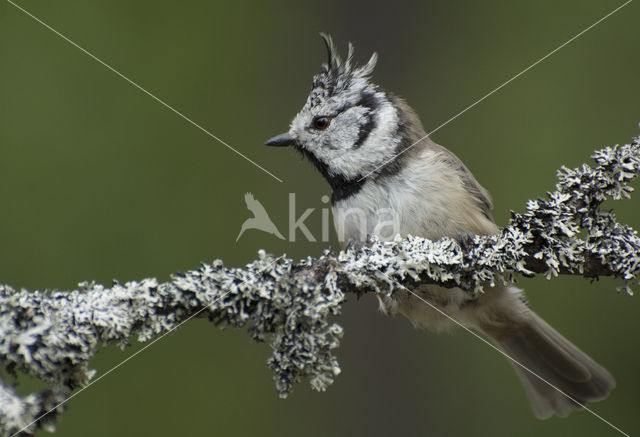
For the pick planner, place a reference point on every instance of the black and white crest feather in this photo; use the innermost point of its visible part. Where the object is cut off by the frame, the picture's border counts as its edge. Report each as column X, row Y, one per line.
column 337, row 74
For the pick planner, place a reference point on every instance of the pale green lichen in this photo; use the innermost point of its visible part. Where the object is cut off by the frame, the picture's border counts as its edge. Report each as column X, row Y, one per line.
column 53, row 335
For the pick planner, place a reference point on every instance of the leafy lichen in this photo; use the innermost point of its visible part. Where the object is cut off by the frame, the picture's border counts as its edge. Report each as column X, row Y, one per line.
column 53, row 335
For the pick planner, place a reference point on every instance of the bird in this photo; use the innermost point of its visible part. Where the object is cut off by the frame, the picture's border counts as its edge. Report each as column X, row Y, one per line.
column 260, row 219
column 372, row 149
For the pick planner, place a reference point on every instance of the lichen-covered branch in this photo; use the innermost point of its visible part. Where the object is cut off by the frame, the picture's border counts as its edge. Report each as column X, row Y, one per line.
column 53, row 335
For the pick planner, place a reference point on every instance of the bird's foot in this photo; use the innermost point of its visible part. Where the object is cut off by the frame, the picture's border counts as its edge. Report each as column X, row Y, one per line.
column 353, row 245
column 465, row 240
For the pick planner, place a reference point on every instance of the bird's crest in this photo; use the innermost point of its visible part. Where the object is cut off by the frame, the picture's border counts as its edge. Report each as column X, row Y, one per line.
column 337, row 74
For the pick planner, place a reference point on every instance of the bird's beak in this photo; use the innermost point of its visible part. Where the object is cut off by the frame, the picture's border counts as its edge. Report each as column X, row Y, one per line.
column 281, row 140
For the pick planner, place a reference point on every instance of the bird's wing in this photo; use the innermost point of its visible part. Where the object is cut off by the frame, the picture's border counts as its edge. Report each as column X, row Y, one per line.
column 479, row 195
column 254, row 206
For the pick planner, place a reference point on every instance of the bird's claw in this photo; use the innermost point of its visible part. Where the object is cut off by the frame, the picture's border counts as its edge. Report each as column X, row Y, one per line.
column 353, row 245
column 465, row 240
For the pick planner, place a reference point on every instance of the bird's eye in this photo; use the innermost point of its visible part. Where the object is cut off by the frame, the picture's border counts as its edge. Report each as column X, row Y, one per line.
column 321, row 122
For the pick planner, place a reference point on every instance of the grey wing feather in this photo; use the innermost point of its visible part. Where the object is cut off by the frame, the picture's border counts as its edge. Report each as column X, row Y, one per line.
column 480, row 195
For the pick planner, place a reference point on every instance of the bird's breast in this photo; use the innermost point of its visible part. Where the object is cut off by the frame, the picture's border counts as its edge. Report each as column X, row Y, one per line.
column 421, row 202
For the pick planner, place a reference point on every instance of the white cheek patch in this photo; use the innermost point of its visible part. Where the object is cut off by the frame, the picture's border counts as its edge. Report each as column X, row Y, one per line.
column 379, row 146
column 343, row 131
column 335, row 146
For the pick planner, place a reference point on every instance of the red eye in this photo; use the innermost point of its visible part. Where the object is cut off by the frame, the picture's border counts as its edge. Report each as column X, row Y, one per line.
column 321, row 123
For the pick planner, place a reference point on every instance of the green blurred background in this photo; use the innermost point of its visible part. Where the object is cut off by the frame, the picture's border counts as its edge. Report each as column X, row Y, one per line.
column 99, row 181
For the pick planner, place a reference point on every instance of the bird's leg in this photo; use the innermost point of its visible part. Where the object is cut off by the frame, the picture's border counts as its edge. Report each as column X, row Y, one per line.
column 353, row 245
column 465, row 240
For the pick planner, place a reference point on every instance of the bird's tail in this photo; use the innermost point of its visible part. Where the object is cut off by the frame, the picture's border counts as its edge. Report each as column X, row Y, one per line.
column 557, row 376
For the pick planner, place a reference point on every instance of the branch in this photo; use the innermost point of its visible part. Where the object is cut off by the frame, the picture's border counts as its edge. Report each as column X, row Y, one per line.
column 53, row 335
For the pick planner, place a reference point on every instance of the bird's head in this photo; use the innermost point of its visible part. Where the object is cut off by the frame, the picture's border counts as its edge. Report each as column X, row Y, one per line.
column 349, row 126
